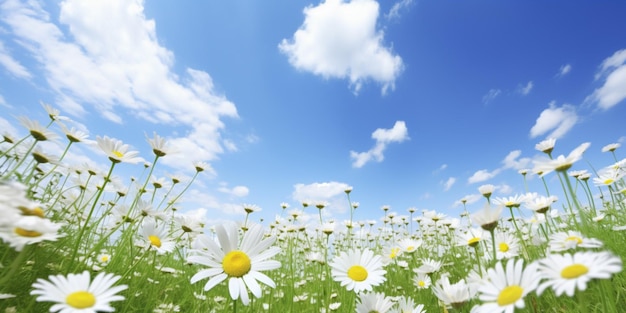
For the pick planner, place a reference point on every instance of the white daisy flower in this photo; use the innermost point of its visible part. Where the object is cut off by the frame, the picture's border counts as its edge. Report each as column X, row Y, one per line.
column 407, row 305
column 562, row 241
column 155, row 236
column 358, row 270
column 241, row 263
column 374, row 302
column 504, row 290
column 29, row 230
column 77, row 293
column 567, row 273
column 422, row 281
column 117, row 151
column 452, row 295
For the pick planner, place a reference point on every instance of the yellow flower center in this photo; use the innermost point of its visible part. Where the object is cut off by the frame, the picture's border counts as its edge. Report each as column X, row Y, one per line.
column 236, row 263
column 608, row 181
column 421, row 283
column 473, row 242
column 118, row 154
column 27, row 233
column 394, row 253
column 155, row 241
column 80, row 299
column 574, row 271
column 574, row 238
column 32, row 212
column 510, row 295
column 410, row 248
column 104, row 258
column 357, row 273
column 504, row 247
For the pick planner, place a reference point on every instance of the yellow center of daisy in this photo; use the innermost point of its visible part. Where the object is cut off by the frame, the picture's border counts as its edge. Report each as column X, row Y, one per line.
column 357, row 273
column 510, row 295
column 32, row 212
column 118, row 154
column 421, row 283
column 27, row 233
column 80, row 299
column 608, row 181
column 473, row 242
column 155, row 241
column 394, row 253
column 574, row 238
column 410, row 248
column 504, row 247
column 574, row 271
column 236, row 263
column 104, row 258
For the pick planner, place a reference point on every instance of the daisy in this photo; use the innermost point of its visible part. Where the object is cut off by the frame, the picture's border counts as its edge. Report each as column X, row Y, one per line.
column 570, row 272
column 29, row 230
column 358, row 270
column 488, row 217
column 561, row 163
column 240, row 262
column 156, row 237
column 77, row 293
column 159, row 146
column 611, row 147
column 546, row 146
column 409, row 245
column 572, row 239
column 505, row 289
column 374, row 302
column 422, row 281
column 407, row 305
column 471, row 237
column 39, row 132
column 455, row 295
column 428, row 266
column 117, row 151
column 507, row 245
column 486, row 190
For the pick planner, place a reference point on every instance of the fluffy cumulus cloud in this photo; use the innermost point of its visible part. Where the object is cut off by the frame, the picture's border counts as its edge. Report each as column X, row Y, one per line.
column 340, row 39
column 482, row 175
column 332, row 193
column 613, row 73
column 105, row 54
column 383, row 137
column 556, row 120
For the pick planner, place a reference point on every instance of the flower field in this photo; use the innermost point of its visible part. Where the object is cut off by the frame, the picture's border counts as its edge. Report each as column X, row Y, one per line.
column 76, row 239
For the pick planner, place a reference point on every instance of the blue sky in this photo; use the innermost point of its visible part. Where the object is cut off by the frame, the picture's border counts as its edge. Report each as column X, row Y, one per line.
column 412, row 103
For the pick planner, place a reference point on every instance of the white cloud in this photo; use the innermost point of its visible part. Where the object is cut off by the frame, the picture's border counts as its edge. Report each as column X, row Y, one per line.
column 383, row 137
column 559, row 120
column 394, row 12
column 106, row 55
column 339, row 39
column 513, row 161
column 491, row 94
column 449, row 183
column 564, row 70
column 482, row 175
column 332, row 192
column 613, row 70
column 12, row 65
column 525, row 90
column 237, row 191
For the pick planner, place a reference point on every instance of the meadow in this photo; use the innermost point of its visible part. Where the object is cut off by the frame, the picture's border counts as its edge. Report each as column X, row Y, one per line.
column 79, row 239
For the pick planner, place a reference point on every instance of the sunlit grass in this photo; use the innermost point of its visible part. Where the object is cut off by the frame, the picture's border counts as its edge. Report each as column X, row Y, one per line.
column 60, row 218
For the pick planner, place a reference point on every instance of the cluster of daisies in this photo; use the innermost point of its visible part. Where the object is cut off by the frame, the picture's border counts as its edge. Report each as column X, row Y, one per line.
column 485, row 261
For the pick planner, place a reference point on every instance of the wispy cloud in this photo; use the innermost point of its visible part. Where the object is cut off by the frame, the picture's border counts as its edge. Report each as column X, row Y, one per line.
column 564, row 70
column 120, row 67
column 340, row 39
column 525, row 90
column 558, row 120
column 237, row 191
column 449, row 183
column 394, row 12
column 613, row 72
column 383, row 137
column 491, row 95
column 510, row 161
column 11, row 65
